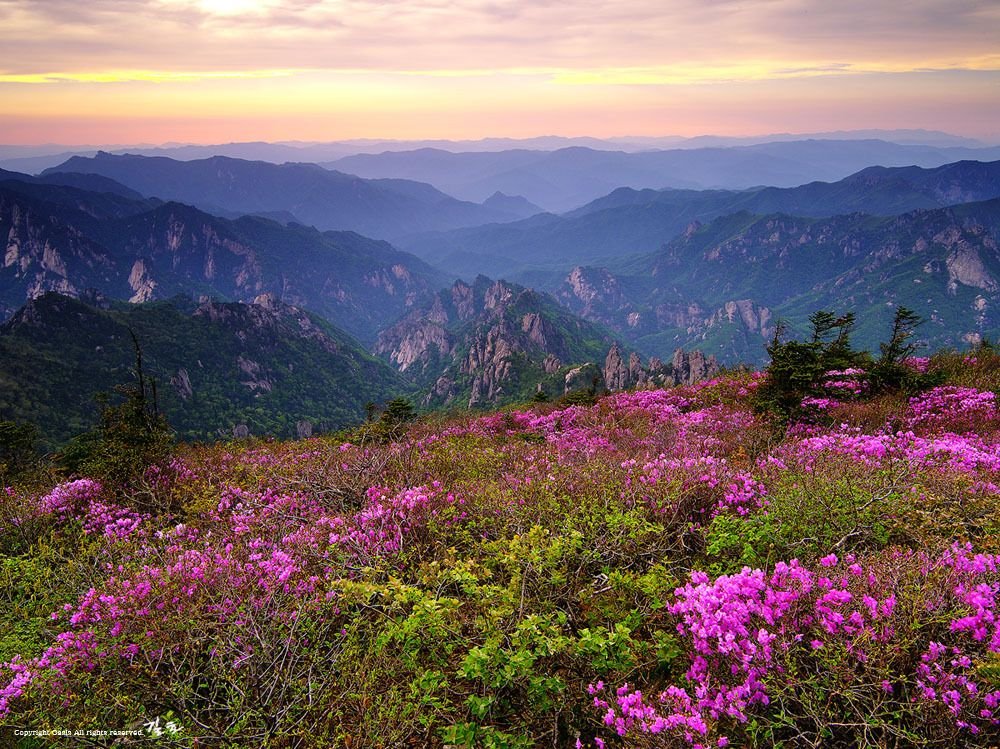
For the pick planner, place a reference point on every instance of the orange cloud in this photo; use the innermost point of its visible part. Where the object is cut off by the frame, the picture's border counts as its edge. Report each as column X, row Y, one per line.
column 344, row 68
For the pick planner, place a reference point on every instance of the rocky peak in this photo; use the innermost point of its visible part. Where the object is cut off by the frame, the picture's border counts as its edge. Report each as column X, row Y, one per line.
column 616, row 374
column 498, row 296
column 754, row 319
column 463, row 298
column 538, row 331
column 485, row 340
column 692, row 368
column 686, row 368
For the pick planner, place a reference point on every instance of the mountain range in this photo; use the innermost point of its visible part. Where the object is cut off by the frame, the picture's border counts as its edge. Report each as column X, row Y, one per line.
column 302, row 193
column 627, row 222
column 544, row 304
column 69, row 240
column 567, row 178
column 722, row 286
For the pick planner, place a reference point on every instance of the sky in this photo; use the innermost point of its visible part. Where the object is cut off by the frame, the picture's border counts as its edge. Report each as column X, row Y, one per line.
column 213, row 71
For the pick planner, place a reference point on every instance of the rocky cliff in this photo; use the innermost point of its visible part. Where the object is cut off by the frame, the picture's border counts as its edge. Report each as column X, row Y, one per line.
column 490, row 342
column 622, row 371
column 158, row 252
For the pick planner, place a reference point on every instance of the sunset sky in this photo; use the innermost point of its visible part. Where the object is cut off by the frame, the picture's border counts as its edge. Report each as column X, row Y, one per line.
column 209, row 71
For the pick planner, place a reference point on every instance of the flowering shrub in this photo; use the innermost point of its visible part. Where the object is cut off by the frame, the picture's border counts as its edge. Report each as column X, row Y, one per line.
column 952, row 408
column 659, row 568
column 749, row 633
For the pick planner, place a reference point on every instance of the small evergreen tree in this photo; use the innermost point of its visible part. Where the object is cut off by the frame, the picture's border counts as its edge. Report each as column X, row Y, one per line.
column 18, row 450
column 132, row 434
column 797, row 368
column 398, row 411
column 890, row 371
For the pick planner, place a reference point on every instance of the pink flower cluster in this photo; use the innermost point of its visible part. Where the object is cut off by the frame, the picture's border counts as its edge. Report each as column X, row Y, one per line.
column 744, row 629
column 845, row 382
column 258, row 545
column 70, row 498
column 82, row 498
column 382, row 527
column 966, row 453
column 952, row 407
column 712, row 483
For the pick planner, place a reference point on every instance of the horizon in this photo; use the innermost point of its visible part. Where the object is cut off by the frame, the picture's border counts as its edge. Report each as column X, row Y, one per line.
column 900, row 136
column 322, row 71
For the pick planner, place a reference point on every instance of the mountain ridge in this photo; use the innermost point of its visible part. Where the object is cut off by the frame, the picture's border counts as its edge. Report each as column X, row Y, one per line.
column 629, row 223
column 327, row 199
column 224, row 368
column 155, row 251
column 746, row 271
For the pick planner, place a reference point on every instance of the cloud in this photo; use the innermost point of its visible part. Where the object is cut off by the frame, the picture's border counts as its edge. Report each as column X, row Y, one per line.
column 779, row 37
column 315, row 69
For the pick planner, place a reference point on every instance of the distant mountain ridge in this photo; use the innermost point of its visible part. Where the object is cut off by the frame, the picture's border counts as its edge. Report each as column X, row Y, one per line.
column 34, row 159
column 628, row 222
column 328, row 200
column 567, row 178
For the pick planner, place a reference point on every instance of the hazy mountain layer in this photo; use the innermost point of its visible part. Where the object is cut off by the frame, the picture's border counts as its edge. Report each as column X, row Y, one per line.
column 34, row 159
column 306, row 193
column 567, row 178
column 630, row 222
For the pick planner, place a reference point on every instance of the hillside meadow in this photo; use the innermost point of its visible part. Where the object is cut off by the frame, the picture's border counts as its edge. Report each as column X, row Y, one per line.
column 654, row 568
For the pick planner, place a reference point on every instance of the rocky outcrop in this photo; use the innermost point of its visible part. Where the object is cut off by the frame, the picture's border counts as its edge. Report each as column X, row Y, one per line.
column 686, row 368
column 490, row 364
column 516, row 335
column 182, row 384
column 596, row 294
column 692, row 368
column 589, row 291
column 745, row 313
column 41, row 254
column 616, row 374
column 964, row 264
column 420, row 340
column 141, row 283
column 463, row 298
column 488, row 341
